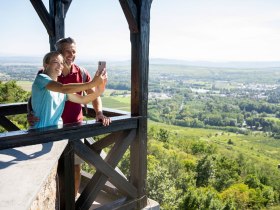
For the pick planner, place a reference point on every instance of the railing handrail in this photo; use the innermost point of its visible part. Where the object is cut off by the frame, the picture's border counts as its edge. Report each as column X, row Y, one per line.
column 20, row 108
column 70, row 131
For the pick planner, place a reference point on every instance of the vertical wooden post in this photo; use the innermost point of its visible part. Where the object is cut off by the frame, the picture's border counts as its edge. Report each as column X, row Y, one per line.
column 139, row 97
column 66, row 178
column 57, row 16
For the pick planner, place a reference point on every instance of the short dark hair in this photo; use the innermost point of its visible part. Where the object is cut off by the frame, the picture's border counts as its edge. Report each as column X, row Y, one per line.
column 59, row 44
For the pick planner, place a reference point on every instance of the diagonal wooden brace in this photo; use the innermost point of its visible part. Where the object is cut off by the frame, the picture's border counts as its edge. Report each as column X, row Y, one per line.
column 107, row 141
column 105, row 170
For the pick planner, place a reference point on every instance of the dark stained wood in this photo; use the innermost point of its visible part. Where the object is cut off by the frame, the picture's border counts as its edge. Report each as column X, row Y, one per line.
column 130, row 12
column 67, row 4
column 91, row 191
column 99, row 179
column 139, row 97
column 82, row 130
column 107, row 141
column 122, row 203
column 8, row 109
column 61, row 181
column 108, row 187
column 58, row 15
column 132, row 204
column 94, row 159
column 66, row 179
column 13, row 109
column 7, row 124
column 21, row 108
column 44, row 16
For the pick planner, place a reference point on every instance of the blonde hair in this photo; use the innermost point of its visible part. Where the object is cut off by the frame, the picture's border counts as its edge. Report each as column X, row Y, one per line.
column 47, row 58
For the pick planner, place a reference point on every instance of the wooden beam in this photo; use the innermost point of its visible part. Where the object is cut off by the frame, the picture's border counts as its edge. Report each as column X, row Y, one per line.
column 57, row 13
column 130, row 12
column 7, row 124
column 21, row 108
column 75, row 130
column 43, row 15
column 139, row 97
column 95, row 160
column 67, row 4
column 13, row 109
column 99, row 179
column 107, row 141
column 66, row 178
column 120, row 204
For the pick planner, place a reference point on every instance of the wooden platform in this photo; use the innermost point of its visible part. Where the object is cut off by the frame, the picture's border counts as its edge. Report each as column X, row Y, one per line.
column 110, row 193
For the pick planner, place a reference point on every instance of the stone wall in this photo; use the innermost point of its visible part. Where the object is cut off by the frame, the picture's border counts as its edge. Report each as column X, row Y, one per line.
column 47, row 198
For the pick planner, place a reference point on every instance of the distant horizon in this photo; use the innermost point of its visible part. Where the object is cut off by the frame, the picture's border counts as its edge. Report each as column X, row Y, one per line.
column 37, row 59
column 83, row 58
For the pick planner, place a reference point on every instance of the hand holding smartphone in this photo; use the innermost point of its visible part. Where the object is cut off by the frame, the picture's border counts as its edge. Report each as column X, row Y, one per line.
column 101, row 66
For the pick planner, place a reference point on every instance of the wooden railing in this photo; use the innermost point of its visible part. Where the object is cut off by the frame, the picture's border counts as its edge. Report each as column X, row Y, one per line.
column 121, row 133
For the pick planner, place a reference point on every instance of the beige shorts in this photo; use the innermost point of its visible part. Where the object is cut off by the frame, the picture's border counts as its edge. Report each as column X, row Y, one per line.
column 77, row 159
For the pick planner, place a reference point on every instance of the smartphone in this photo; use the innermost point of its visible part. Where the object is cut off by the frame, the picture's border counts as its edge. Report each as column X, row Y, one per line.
column 101, row 65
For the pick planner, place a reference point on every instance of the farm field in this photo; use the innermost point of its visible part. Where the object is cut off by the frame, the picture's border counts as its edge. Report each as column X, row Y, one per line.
column 25, row 85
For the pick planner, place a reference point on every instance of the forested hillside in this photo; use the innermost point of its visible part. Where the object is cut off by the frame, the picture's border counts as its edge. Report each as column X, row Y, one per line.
column 10, row 92
column 193, row 168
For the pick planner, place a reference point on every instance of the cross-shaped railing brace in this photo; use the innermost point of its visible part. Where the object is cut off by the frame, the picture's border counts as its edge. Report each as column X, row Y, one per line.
column 104, row 168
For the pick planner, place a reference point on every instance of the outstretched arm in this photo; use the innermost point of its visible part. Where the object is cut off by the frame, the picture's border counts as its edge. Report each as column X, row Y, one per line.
column 90, row 97
column 76, row 98
column 76, row 87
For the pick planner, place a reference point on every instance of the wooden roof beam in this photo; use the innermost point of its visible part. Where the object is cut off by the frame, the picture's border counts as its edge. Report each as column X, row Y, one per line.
column 44, row 15
column 130, row 12
column 66, row 5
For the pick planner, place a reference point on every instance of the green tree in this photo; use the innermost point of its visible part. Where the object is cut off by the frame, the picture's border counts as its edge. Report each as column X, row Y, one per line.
column 162, row 187
column 252, row 181
column 163, row 135
column 10, row 92
column 201, row 198
column 226, row 172
column 204, row 170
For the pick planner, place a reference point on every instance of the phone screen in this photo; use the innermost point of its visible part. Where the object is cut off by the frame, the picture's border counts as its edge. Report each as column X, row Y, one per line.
column 101, row 65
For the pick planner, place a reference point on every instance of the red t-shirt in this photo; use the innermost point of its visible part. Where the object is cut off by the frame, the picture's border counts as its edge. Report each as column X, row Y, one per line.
column 73, row 112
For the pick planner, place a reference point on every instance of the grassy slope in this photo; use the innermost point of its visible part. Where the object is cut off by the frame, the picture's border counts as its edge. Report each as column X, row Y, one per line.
column 25, row 85
column 256, row 147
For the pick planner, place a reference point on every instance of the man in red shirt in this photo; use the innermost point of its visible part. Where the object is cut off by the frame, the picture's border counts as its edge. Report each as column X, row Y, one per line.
column 73, row 112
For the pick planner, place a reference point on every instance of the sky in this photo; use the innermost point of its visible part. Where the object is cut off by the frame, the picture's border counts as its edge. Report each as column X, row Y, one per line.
column 193, row 30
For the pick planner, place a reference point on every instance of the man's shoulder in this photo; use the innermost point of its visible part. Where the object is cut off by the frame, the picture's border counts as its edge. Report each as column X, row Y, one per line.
column 80, row 68
column 83, row 72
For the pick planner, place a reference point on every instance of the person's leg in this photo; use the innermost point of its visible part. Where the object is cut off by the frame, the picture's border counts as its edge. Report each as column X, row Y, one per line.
column 77, row 178
column 77, row 171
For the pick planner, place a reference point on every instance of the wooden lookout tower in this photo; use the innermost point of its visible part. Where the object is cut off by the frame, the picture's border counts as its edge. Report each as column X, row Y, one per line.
column 127, row 131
